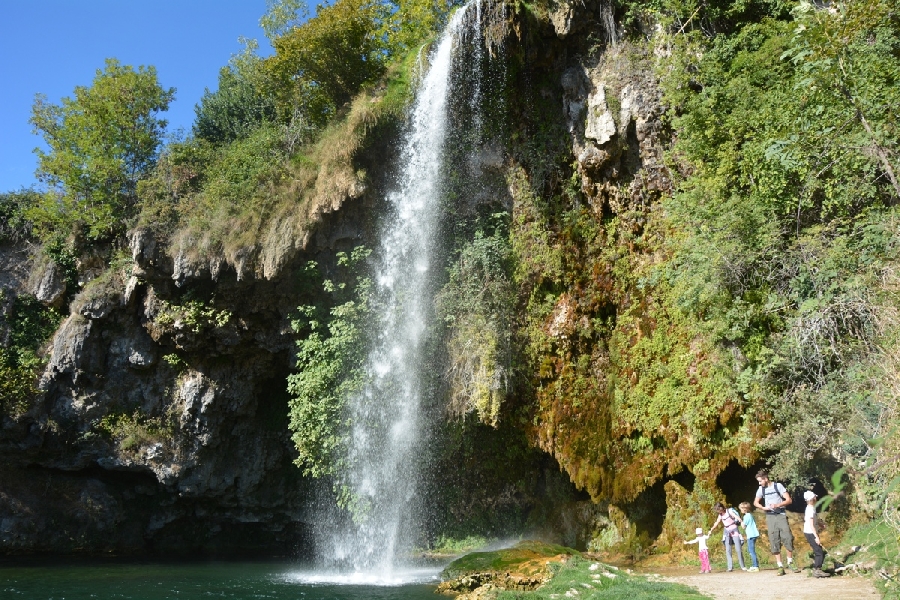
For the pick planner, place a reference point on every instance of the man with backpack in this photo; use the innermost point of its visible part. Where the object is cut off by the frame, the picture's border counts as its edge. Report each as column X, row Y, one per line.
column 773, row 498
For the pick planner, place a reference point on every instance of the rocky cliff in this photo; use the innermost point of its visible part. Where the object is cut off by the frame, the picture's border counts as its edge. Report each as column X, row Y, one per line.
column 601, row 388
column 161, row 419
column 161, row 422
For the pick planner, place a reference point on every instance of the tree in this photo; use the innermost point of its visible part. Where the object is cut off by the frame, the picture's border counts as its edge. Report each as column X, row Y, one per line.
column 101, row 143
column 320, row 65
column 848, row 55
column 233, row 111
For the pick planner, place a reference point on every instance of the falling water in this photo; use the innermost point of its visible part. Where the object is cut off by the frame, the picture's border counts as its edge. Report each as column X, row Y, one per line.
column 386, row 418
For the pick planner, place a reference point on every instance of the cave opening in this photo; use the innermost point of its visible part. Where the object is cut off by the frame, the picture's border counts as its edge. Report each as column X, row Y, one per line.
column 684, row 478
column 648, row 510
column 738, row 482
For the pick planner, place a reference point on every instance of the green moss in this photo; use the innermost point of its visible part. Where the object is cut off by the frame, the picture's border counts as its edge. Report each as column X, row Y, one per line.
column 529, row 555
column 445, row 545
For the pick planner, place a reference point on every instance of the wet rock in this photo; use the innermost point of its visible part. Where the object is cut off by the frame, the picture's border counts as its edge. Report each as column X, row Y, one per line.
column 561, row 16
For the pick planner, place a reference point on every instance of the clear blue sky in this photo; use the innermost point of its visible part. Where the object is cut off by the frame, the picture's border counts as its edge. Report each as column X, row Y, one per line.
column 50, row 46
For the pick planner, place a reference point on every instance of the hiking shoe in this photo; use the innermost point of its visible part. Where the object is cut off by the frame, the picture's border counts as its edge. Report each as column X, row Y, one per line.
column 781, row 570
column 743, row 568
column 753, row 569
column 820, row 573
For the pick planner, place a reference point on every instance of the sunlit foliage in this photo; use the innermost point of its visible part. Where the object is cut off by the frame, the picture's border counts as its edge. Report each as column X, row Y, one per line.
column 319, row 65
column 330, row 362
column 101, row 142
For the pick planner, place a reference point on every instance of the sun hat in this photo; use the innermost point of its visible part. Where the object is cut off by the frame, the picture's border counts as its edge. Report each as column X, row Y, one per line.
column 808, row 495
column 699, row 530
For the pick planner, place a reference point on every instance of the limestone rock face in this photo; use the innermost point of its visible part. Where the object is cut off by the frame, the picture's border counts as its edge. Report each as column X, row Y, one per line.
column 50, row 285
column 600, row 126
column 162, row 420
column 162, row 424
column 561, row 18
column 69, row 352
column 613, row 109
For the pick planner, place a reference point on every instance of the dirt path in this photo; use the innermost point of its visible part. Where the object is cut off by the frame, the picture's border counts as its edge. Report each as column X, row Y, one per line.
column 797, row 586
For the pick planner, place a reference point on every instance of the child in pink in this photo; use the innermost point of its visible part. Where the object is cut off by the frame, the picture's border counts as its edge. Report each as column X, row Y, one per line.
column 702, row 550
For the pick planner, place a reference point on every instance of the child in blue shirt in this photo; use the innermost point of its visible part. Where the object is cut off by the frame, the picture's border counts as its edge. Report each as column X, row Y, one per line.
column 750, row 530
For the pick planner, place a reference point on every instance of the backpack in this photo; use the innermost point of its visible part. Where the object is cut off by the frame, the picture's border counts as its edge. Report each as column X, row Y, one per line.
column 762, row 491
column 735, row 521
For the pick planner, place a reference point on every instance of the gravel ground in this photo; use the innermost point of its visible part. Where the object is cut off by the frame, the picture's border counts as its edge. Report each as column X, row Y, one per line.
column 767, row 584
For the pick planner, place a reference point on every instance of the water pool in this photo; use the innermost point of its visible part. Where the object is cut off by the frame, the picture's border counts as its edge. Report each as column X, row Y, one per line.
column 189, row 581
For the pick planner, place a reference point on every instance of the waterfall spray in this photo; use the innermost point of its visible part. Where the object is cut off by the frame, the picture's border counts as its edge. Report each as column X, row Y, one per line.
column 386, row 420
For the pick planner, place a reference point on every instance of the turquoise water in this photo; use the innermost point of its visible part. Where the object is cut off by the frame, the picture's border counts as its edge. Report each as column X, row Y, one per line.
column 205, row 581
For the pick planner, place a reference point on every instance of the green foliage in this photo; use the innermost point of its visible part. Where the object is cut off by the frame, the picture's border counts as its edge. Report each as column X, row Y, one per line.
column 60, row 251
column 282, row 16
column 330, row 362
column 878, row 548
column 18, row 380
column 319, row 65
column 101, row 143
column 706, row 17
column 179, row 174
column 234, row 110
column 407, row 23
column 452, row 546
column 196, row 315
column 134, row 431
column 236, row 194
column 30, row 325
column 523, row 554
column 241, row 170
column 781, row 226
column 477, row 305
column 14, row 206
column 175, row 361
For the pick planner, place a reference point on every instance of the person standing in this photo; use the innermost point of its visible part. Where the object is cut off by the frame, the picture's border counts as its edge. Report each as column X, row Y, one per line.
column 772, row 497
column 702, row 550
column 811, row 532
column 730, row 521
column 751, row 531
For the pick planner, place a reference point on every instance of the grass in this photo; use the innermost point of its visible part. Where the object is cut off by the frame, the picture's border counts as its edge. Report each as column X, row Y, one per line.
column 259, row 204
column 136, row 431
column 594, row 581
column 879, row 550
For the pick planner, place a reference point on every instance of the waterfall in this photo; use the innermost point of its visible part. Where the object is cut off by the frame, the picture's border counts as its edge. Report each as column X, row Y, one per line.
column 386, row 419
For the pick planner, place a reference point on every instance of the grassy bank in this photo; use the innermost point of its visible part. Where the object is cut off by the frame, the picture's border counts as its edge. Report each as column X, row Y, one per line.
column 595, row 581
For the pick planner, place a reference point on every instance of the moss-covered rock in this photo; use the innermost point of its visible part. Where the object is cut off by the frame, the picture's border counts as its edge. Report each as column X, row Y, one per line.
column 522, row 567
